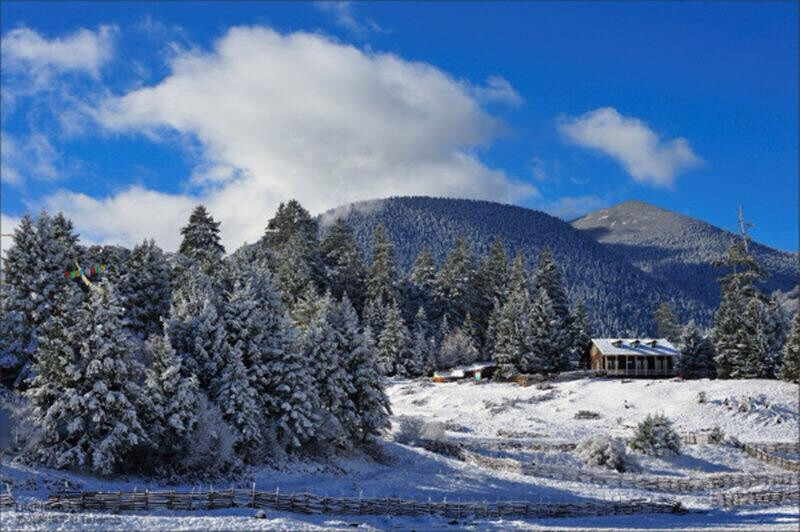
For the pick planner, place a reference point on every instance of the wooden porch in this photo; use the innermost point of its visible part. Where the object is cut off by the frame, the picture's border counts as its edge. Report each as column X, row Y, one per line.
column 636, row 366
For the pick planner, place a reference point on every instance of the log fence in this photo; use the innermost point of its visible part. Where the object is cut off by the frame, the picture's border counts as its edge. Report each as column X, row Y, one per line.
column 307, row 503
column 729, row 500
column 618, row 480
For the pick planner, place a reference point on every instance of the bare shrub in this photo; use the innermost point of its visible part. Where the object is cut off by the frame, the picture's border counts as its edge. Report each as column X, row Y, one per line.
column 604, row 451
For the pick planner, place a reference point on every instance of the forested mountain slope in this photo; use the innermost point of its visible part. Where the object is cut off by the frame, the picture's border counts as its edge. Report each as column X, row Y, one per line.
column 678, row 248
column 621, row 298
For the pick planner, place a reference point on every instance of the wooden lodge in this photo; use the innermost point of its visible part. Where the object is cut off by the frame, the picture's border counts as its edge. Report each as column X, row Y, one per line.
column 631, row 357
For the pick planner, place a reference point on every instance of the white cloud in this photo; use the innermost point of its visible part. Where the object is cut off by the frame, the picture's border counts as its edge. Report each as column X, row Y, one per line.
column 127, row 217
column 282, row 116
column 7, row 226
column 344, row 17
column 84, row 51
column 644, row 155
column 33, row 158
column 571, row 207
column 498, row 89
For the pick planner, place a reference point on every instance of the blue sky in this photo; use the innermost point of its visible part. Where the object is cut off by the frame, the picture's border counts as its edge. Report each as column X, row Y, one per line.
column 125, row 115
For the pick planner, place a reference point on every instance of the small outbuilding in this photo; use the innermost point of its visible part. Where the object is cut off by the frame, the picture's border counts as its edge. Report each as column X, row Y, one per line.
column 477, row 371
column 631, row 357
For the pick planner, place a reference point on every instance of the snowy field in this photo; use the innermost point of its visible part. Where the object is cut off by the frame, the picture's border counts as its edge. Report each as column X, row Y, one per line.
column 484, row 416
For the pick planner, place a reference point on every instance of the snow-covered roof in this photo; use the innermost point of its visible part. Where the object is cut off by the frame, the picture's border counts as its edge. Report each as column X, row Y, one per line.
column 635, row 346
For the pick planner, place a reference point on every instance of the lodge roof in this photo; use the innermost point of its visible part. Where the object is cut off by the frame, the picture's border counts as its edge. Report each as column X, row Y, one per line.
column 635, row 346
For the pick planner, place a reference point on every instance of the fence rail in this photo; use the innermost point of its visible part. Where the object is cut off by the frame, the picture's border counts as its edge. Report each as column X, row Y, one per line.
column 618, row 480
column 727, row 500
column 761, row 452
column 307, row 503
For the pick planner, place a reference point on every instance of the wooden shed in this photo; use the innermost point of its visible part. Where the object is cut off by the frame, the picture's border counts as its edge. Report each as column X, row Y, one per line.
column 631, row 357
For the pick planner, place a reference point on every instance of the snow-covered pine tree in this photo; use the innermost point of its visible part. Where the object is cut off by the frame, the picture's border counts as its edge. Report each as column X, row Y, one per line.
column 197, row 328
column 776, row 328
column 201, row 240
column 370, row 401
column 238, row 402
column 730, row 320
column 174, row 398
column 394, row 343
column 422, row 345
column 494, row 272
column 344, row 268
column 548, row 338
column 667, row 325
column 33, row 276
column 293, row 269
column 518, row 277
column 18, row 324
column 422, row 278
column 350, row 342
column 697, row 354
column 581, row 333
column 512, row 341
column 87, row 396
column 790, row 365
column 144, row 289
column 314, row 316
column 382, row 279
column 754, row 362
column 293, row 227
column 457, row 292
column 548, row 277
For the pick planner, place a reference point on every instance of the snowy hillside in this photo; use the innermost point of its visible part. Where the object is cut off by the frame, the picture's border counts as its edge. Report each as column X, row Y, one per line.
column 484, row 417
column 678, row 248
column 621, row 297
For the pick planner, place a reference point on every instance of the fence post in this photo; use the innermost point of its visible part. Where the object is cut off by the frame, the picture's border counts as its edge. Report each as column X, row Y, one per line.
column 253, row 500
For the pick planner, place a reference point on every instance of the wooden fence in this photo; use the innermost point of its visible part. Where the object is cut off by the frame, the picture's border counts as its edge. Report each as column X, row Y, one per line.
column 307, row 503
column 761, row 453
column 618, row 480
column 727, row 500
column 6, row 501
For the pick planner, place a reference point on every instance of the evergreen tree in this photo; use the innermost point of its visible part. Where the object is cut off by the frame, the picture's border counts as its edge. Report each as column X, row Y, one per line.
column 33, row 276
column 667, row 325
column 513, row 331
column 548, row 277
column 581, row 333
column 238, row 402
column 86, row 394
column 776, row 328
column 174, row 397
column 18, row 326
column 343, row 265
column 293, row 269
column 733, row 345
column 790, row 365
column 422, row 345
column 367, row 395
column 197, row 328
column 292, row 232
column 382, row 280
column 422, row 278
column 394, row 353
column 144, row 289
column 201, row 241
column 494, row 272
column 754, row 363
column 457, row 292
column 257, row 324
column 350, row 342
column 697, row 354
column 518, row 277
column 314, row 317
column 548, row 338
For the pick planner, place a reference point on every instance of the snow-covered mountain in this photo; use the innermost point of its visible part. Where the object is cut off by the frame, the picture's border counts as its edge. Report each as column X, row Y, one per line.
column 679, row 249
column 620, row 296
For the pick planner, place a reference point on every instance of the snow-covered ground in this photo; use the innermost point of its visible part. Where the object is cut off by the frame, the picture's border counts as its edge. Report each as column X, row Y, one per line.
column 485, row 415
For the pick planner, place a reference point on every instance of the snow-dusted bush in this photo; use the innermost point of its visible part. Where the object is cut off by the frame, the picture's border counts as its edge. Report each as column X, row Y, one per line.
column 413, row 429
column 457, row 349
column 716, row 435
column 701, row 397
column 604, row 451
column 655, row 436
